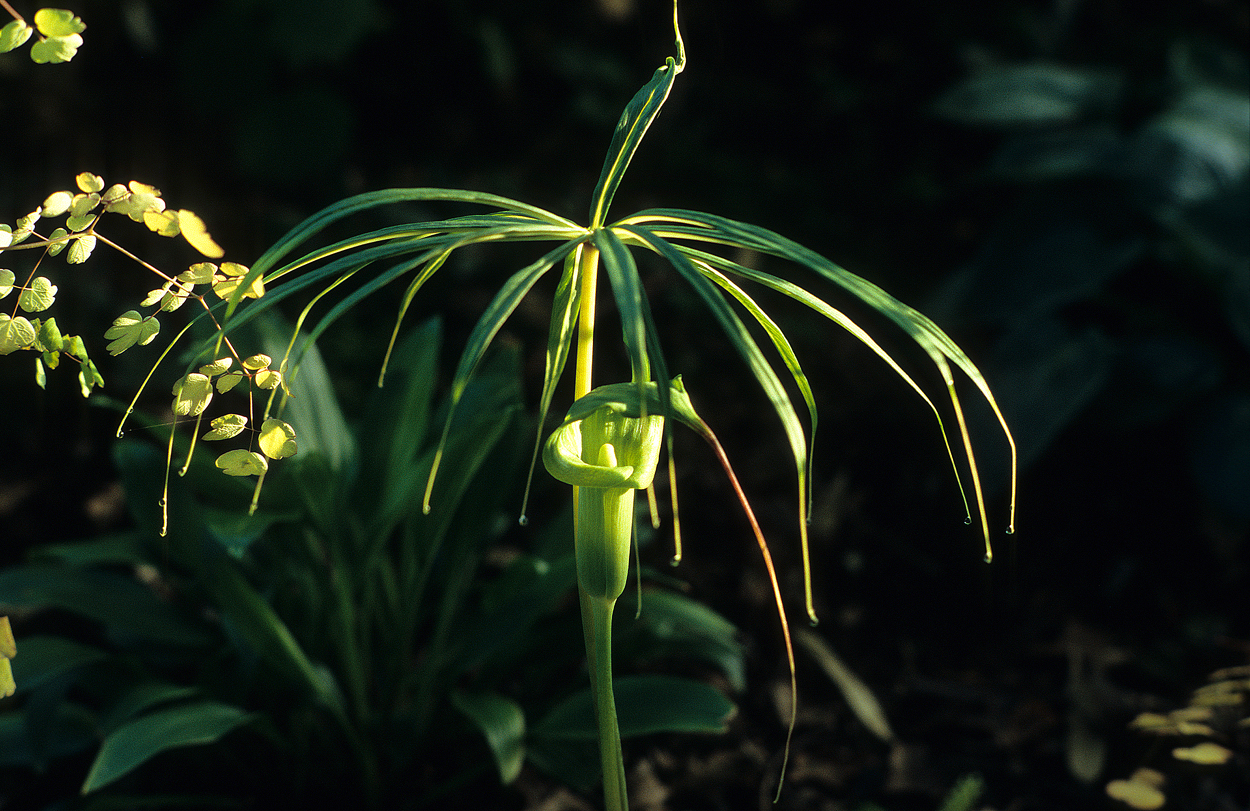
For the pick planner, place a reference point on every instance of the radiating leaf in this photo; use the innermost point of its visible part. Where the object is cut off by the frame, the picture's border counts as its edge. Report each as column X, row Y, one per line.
column 277, row 439
column 131, row 328
column 7, row 280
column 133, row 744
column 39, row 296
column 195, row 232
column 199, row 273
column 226, row 427
column 15, row 333
column 58, row 242
column 240, row 462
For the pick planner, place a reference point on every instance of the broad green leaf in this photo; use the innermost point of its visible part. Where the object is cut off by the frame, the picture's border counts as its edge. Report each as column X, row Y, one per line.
column 14, row 35
column 56, row 50
column 192, row 394
column 228, row 381
column 1207, row 753
column 239, row 462
column 644, row 705
column 57, row 22
column 57, row 203
column 80, row 249
column 226, row 427
column 41, row 376
column 7, row 280
column 15, row 333
column 131, row 328
column 502, row 721
column 39, row 296
column 135, row 200
column 277, row 439
column 216, row 367
column 257, row 362
column 1141, row 791
column 133, row 744
column 195, row 232
column 232, row 273
column 89, row 377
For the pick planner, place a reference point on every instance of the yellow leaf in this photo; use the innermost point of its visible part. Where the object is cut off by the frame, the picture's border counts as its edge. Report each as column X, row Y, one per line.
column 196, row 233
column 89, row 183
column 1206, row 753
column 165, row 223
column 1136, row 794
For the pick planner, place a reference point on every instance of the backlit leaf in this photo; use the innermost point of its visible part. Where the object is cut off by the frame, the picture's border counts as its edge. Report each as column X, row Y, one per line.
column 257, row 362
column 277, row 439
column 1136, row 793
column 225, row 283
column 192, row 394
column 131, row 328
column 39, row 296
column 50, row 338
column 57, row 22
column 199, row 273
column 14, row 35
column 6, row 282
column 227, row 427
column 1206, row 753
column 15, row 333
column 80, row 249
column 216, row 367
column 55, row 50
column 89, row 183
column 268, row 379
column 56, row 248
column 57, row 203
column 228, row 381
column 195, row 232
column 6, row 236
column 164, row 223
column 25, row 227
column 239, row 462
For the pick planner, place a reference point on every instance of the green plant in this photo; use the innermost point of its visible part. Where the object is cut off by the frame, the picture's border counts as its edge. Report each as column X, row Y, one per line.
column 289, row 636
column 59, row 34
column 609, row 444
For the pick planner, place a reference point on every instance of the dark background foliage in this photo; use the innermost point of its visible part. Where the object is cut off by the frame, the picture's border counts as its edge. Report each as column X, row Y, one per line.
column 1107, row 305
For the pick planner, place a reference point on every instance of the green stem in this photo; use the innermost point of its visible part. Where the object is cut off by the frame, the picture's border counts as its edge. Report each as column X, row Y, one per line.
column 597, row 619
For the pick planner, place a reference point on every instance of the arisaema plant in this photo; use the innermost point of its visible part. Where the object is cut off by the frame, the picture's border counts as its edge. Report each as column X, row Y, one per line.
column 610, row 443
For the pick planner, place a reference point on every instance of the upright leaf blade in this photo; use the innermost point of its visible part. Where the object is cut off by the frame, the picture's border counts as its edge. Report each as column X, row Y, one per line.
column 639, row 113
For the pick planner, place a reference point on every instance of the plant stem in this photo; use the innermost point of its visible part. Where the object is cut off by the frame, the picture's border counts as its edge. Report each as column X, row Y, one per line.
column 610, row 755
column 596, row 610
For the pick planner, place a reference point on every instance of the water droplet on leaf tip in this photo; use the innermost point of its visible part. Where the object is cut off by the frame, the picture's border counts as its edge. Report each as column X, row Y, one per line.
column 523, row 520
column 813, row 620
column 989, row 558
column 675, row 560
column 1011, row 530
column 967, row 519
column 161, row 503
